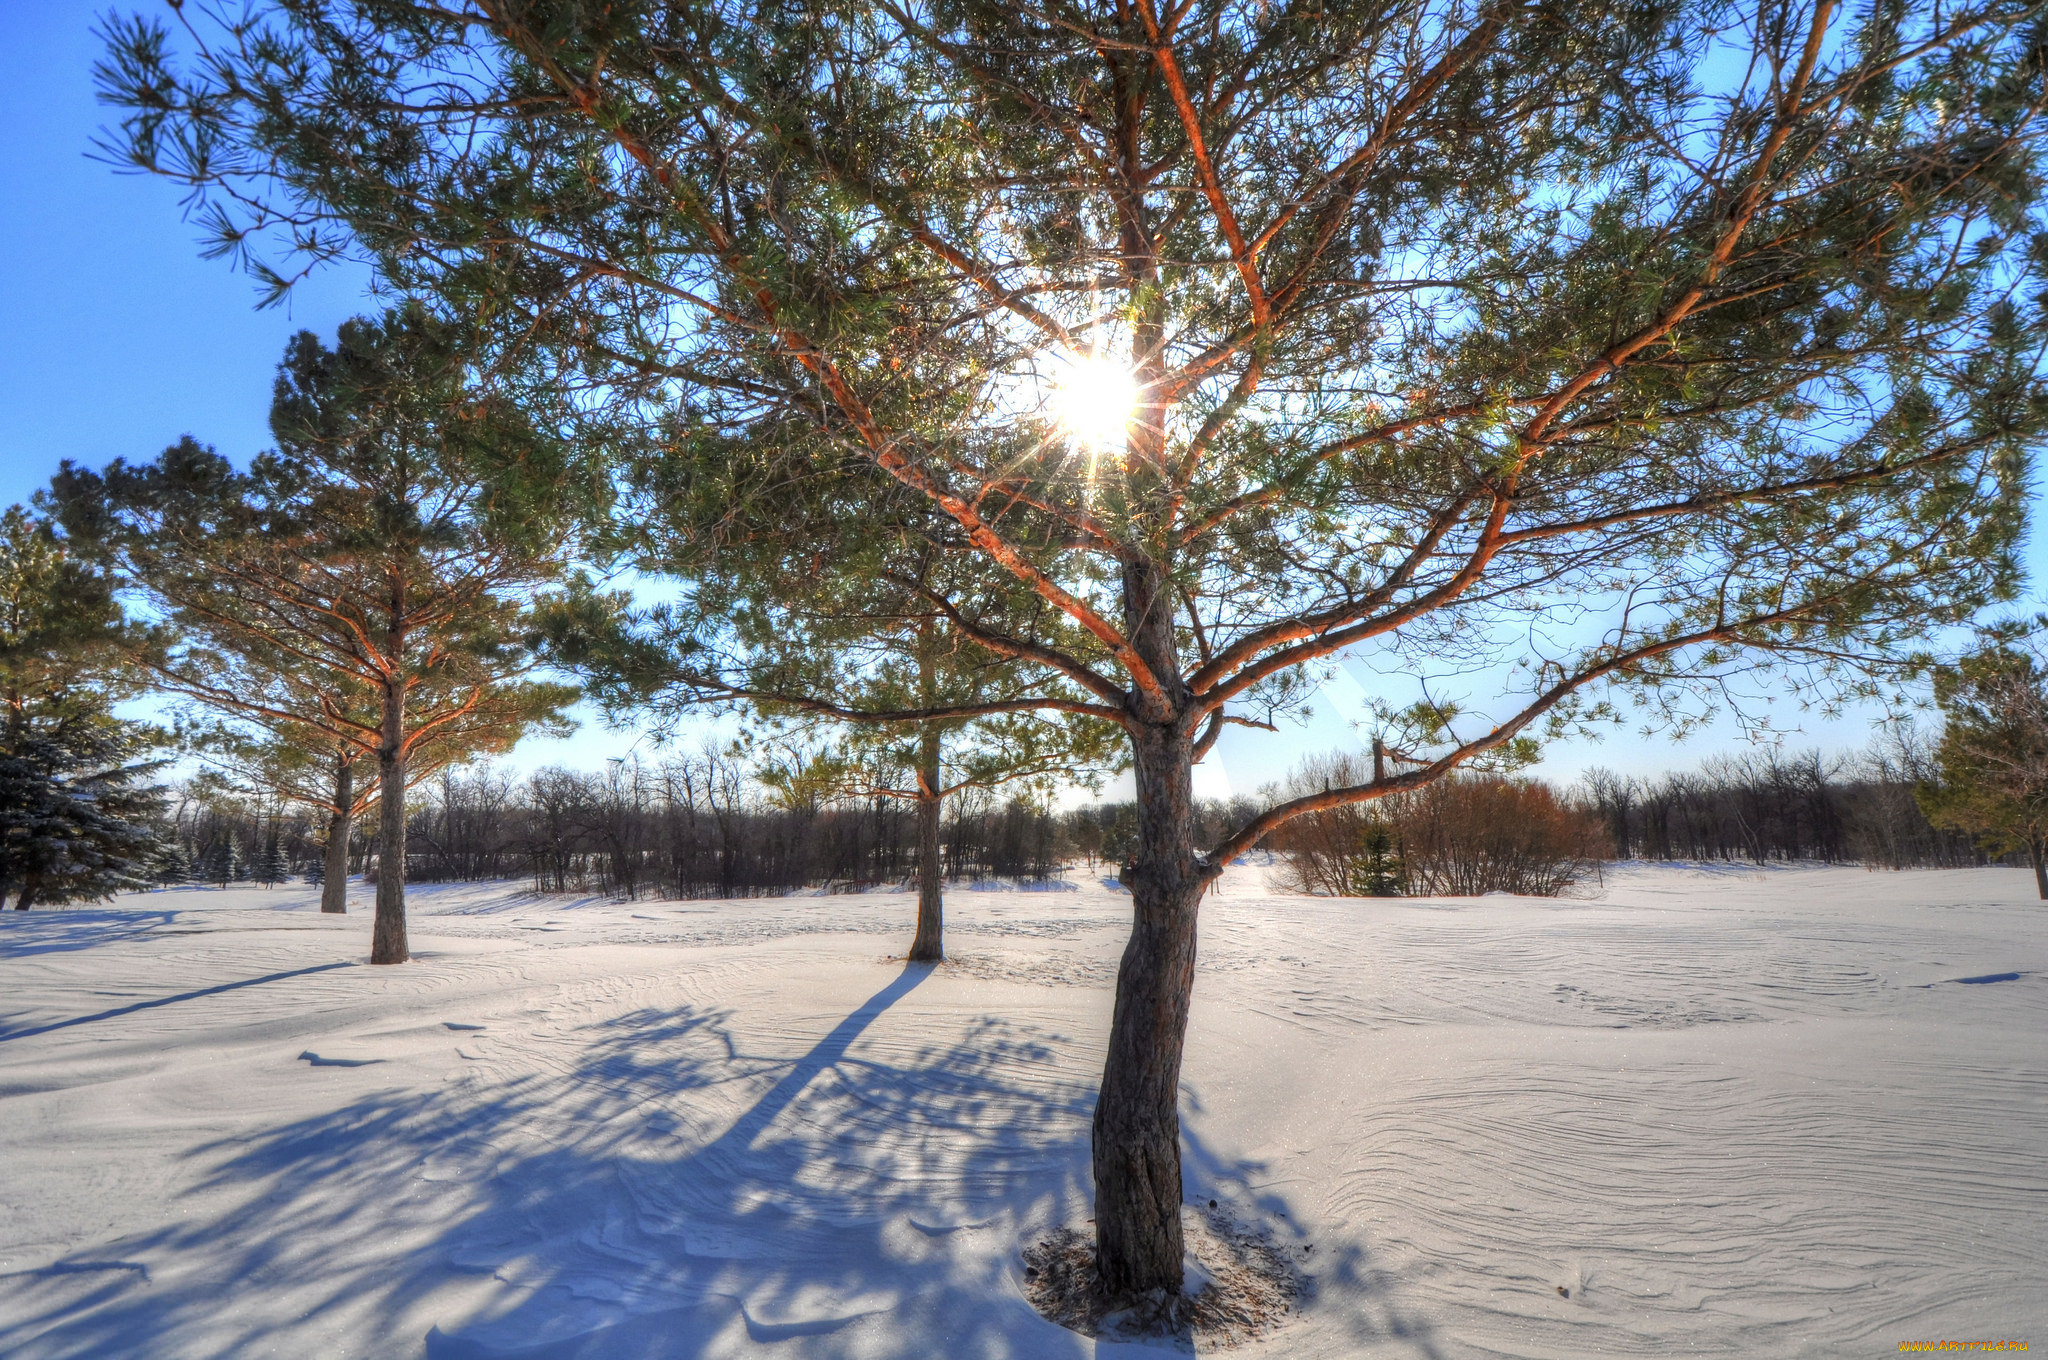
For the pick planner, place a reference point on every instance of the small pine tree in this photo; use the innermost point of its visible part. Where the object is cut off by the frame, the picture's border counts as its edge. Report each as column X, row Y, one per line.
column 1377, row 870
column 1120, row 837
column 268, row 866
column 314, row 870
column 173, row 865
column 221, row 864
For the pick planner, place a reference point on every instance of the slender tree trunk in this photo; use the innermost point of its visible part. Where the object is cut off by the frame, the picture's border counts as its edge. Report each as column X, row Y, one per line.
column 334, row 887
column 387, row 939
column 1137, row 1117
column 27, row 895
column 930, row 944
column 2040, row 849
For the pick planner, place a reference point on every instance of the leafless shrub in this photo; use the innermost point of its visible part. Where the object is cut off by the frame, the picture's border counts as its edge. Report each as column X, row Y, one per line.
column 1460, row 836
column 1463, row 836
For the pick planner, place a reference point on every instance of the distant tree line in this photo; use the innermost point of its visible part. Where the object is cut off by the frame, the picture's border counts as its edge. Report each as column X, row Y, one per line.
column 1773, row 806
column 704, row 827
column 694, row 827
column 1900, row 803
column 708, row 826
column 690, row 827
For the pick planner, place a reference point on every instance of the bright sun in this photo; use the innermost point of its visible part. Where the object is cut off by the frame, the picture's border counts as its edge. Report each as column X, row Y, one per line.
column 1094, row 398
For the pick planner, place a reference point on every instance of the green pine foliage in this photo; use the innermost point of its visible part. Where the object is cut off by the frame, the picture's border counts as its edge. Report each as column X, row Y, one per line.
column 1590, row 354
column 268, row 866
column 77, row 808
column 1992, row 760
column 1376, row 870
column 173, row 866
column 220, row 863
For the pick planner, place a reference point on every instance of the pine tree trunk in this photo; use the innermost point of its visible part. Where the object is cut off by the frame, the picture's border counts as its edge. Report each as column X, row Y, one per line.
column 930, row 944
column 27, row 895
column 387, row 939
column 1137, row 1117
column 334, row 887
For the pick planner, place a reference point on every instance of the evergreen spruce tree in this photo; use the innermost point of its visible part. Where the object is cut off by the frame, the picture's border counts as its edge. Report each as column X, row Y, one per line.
column 221, row 862
column 267, row 865
column 200, row 875
column 1377, row 870
column 173, row 865
column 1220, row 338
column 77, row 812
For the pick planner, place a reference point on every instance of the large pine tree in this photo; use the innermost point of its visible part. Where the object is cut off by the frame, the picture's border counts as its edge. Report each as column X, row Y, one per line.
column 1621, row 346
column 366, row 587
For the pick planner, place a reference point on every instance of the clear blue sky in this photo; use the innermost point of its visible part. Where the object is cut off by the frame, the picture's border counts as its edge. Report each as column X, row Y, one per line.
column 116, row 338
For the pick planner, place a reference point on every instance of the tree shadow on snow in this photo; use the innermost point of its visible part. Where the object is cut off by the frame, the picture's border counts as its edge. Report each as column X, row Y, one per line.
column 653, row 1186
column 57, row 930
column 154, row 1002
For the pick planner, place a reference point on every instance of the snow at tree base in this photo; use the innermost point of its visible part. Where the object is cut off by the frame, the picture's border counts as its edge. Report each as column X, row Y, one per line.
column 1786, row 1113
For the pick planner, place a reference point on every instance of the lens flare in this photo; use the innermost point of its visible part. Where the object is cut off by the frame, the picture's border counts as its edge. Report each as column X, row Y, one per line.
column 1093, row 399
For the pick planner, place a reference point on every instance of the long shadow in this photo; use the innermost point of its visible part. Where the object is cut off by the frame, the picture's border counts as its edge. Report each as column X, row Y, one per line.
column 6, row 1035
column 829, row 1052
column 655, row 1186
column 66, row 929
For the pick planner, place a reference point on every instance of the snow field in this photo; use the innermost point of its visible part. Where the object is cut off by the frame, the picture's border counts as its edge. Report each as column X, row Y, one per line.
column 1702, row 1114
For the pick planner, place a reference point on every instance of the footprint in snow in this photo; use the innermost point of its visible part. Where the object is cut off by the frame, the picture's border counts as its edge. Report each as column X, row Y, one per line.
column 451, row 1024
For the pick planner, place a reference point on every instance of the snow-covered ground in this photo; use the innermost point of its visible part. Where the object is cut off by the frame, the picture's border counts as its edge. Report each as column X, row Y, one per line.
column 1802, row 1112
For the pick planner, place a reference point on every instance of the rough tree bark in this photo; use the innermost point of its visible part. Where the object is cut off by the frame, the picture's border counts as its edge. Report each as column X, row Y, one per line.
column 334, row 887
column 387, row 937
column 929, row 946
column 1137, row 1116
